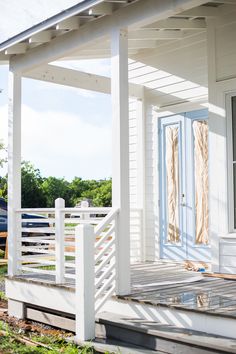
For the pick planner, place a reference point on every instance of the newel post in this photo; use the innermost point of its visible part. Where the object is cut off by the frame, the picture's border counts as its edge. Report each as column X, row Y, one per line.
column 85, row 279
column 60, row 240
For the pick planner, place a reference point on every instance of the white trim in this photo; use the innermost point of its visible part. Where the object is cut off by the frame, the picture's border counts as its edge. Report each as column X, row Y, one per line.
column 229, row 147
column 120, row 154
column 74, row 78
column 14, row 170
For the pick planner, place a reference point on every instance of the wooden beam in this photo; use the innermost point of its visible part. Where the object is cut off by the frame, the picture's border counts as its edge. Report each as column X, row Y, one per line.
column 18, row 48
column 120, row 155
column 79, row 79
column 41, row 37
column 178, row 23
column 101, row 9
column 154, row 35
column 71, row 23
column 136, row 14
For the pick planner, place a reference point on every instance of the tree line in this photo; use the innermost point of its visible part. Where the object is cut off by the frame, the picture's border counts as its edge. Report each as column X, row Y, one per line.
column 41, row 192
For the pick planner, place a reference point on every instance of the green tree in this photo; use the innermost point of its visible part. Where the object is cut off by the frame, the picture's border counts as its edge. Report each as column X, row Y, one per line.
column 103, row 197
column 3, row 179
column 54, row 188
column 2, row 150
column 3, row 187
column 32, row 192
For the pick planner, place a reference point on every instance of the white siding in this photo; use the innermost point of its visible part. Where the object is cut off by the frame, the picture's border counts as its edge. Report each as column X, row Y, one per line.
column 228, row 256
column 151, row 195
column 221, row 68
column 225, row 50
column 136, row 214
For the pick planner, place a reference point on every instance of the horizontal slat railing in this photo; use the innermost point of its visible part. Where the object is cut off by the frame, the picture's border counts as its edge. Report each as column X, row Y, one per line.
column 49, row 248
column 72, row 245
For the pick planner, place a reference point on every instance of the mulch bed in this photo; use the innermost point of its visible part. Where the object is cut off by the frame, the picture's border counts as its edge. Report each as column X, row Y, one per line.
column 27, row 326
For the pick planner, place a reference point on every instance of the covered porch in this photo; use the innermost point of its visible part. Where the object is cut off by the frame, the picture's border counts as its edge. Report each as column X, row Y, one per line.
column 166, row 58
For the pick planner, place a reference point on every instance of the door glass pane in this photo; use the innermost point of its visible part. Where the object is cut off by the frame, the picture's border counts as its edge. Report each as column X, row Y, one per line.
column 200, row 133
column 172, row 183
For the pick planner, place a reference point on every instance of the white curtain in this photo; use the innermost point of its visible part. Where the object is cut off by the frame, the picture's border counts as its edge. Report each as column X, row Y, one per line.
column 172, row 172
column 200, row 131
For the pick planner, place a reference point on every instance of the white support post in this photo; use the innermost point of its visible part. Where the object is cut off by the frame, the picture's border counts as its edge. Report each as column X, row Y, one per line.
column 120, row 154
column 85, row 282
column 14, row 172
column 60, row 240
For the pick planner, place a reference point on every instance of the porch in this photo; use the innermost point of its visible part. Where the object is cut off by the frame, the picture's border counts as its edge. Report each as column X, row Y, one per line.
column 166, row 302
column 81, row 266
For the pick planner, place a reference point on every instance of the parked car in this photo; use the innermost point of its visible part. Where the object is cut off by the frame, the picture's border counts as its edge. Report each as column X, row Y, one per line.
column 36, row 222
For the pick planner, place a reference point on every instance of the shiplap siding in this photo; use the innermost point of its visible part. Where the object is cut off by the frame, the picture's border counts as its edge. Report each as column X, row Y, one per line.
column 151, row 185
column 228, row 256
column 222, row 74
column 225, row 50
column 135, row 213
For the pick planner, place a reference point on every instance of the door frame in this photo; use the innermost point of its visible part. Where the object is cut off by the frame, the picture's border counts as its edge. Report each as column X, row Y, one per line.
column 189, row 188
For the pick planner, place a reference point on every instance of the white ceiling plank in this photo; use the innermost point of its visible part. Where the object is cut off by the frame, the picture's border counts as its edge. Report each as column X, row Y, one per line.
column 78, row 79
column 41, row 37
column 101, row 9
column 71, row 23
column 155, row 34
column 227, row 2
column 177, row 23
column 170, row 47
column 18, row 48
column 136, row 14
column 201, row 11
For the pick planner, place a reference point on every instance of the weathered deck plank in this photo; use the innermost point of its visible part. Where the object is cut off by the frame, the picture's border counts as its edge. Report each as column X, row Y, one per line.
column 164, row 284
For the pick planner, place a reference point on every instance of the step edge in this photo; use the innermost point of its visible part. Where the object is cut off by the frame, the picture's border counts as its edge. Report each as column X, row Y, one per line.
column 188, row 338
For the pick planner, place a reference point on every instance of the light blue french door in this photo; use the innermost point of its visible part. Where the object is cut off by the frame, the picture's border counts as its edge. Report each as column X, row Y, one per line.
column 184, row 211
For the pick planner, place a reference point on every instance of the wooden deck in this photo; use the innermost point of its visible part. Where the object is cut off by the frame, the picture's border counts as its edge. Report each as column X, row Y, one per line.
column 169, row 285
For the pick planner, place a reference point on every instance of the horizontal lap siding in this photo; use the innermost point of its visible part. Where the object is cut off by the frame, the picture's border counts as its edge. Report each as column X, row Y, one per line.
column 151, row 195
column 228, row 256
column 135, row 217
column 225, row 51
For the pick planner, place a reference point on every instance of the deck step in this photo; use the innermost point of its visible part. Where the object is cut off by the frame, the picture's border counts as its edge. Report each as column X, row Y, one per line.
column 160, row 338
column 119, row 347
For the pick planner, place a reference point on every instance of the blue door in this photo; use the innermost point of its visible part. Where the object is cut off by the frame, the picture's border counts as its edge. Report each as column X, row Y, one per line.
column 184, row 210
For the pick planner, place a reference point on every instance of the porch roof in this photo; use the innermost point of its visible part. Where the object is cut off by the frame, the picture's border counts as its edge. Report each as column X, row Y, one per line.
column 155, row 44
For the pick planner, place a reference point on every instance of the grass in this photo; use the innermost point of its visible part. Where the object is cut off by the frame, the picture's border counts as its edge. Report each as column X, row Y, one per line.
column 10, row 344
column 3, row 271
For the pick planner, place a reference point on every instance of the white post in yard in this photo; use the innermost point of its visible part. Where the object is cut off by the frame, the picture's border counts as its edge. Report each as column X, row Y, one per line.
column 14, row 171
column 120, row 154
column 60, row 240
column 84, row 278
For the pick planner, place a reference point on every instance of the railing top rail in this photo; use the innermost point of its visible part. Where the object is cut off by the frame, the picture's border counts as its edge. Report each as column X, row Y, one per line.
column 38, row 210
column 65, row 210
column 86, row 210
column 105, row 221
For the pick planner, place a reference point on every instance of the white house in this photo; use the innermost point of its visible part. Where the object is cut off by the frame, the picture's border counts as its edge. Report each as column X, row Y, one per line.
column 173, row 92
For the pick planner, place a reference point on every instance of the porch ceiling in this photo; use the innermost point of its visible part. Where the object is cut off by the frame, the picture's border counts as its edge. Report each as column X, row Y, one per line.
column 167, row 57
column 151, row 36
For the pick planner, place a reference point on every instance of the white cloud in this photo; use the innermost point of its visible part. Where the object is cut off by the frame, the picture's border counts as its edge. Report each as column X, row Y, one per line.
column 62, row 144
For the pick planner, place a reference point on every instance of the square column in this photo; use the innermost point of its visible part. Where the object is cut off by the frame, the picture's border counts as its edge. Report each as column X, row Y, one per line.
column 120, row 154
column 14, row 169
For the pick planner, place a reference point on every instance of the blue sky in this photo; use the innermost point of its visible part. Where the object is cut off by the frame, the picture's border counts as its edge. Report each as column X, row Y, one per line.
column 66, row 132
